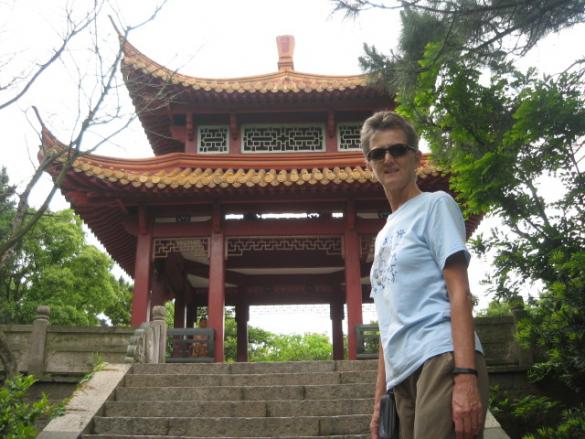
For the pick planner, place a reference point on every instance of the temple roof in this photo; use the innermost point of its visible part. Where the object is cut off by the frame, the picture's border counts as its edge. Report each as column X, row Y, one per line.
column 103, row 190
column 286, row 80
column 189, row 172
column 159, row 92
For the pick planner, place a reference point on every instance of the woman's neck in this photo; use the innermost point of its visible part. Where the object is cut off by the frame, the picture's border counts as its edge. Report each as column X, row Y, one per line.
column 399, row 197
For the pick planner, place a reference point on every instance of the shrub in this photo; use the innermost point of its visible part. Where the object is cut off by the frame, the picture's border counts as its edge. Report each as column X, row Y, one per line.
column 572, row 426
column 18, row 416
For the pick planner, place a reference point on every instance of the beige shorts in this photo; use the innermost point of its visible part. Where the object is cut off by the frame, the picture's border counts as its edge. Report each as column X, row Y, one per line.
column 423, row 400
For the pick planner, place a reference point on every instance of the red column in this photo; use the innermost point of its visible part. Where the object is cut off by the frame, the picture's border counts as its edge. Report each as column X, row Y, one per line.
column 142, row 269
column 191, row 134
column 242, row 317
column 216, row 292
column 353, row 287
column 336, row 313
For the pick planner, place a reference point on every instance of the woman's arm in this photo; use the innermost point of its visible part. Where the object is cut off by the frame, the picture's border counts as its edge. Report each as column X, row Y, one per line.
column 467, row 408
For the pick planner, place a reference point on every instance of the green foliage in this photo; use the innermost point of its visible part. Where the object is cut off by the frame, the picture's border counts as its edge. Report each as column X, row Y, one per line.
column 267, row 346
column 295, row 347
column 522, row 415
column 572, row 426
column 17, row 416
column 483, row 29
column 496, row 308
column 53, row 265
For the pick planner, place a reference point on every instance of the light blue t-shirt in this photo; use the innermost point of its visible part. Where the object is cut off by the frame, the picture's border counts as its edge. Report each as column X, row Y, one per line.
column 414, row 313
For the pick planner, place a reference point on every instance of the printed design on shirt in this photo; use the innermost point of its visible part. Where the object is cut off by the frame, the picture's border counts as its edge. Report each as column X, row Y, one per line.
column 386, row 261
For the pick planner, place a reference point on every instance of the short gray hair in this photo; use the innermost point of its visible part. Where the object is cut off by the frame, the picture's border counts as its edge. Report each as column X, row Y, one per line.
column 386, row 120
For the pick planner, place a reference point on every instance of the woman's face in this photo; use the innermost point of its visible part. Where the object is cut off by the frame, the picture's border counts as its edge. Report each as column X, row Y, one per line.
column 394, row 173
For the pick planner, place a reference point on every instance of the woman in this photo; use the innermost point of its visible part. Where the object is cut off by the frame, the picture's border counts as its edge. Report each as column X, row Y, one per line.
column 429, row 353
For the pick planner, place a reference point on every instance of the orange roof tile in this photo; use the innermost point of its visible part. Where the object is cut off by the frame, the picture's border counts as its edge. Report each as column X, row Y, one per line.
column 287, row 81
column 182, row 170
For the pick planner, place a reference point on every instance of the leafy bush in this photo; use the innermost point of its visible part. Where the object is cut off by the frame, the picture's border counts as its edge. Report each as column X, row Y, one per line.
column 520, row 415
column 17, row 416
column 536, row 417
column 572, row 426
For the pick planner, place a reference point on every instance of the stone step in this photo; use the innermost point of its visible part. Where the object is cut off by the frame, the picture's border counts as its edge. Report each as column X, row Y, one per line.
column 236, row 427
column 245, row 393
column 124, row 436
column 255, row 368
column 268, row 379
column 239, row 409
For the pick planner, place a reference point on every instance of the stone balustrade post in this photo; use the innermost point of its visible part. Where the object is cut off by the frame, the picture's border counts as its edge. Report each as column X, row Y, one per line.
column 159, row 324
column 38, row 342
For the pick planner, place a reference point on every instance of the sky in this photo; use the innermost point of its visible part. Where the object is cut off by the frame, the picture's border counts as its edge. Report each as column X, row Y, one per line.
column 216, row 39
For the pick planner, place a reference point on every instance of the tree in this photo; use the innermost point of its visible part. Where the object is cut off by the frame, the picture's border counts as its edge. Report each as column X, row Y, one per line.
column 267, row 346
column 94, row 79
column 258, row 339
column 480, row 28
column 54, row 266
column 295, row 347
column 506, row 137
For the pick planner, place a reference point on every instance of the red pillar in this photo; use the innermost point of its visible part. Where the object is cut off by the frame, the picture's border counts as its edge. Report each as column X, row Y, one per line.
column 242, row 317
column 216, row 292
column 353, row 287
column 142, row 269
column 336, row 313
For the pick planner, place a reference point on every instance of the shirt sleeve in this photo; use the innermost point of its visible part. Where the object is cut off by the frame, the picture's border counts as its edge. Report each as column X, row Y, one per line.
column 446, row 230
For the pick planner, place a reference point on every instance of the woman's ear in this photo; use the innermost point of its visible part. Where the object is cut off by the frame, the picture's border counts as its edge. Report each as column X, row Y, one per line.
column 367, row 163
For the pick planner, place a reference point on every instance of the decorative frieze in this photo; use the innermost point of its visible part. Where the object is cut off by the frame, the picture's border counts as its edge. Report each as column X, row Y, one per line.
column 283, row 138
column 332, row 246
column 213, row 139
column 189, row 247
column 348, row 136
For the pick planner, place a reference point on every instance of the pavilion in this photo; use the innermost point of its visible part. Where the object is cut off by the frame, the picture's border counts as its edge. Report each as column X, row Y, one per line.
column 257, row 194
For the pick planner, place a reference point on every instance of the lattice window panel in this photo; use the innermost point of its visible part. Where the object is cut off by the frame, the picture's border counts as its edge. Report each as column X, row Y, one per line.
column 348, row 136
column 191, row 247
column 332, row 246
column 283, row 138
column 367, row 244
column 213, row 139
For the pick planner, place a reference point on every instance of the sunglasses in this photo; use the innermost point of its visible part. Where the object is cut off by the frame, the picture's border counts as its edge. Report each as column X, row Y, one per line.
column 396, row 150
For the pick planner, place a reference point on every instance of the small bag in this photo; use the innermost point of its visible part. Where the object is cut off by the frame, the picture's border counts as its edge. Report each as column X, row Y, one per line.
column 388, row 417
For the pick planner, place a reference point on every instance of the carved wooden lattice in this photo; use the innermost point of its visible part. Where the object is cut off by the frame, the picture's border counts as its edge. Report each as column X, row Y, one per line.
column 348, row 136
column 213, row 139
column 332, row 246
column 283, row 138
column 194, row 247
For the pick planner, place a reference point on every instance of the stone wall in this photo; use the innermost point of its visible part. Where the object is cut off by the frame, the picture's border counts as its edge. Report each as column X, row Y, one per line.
column 41, row 349
column 507, row 360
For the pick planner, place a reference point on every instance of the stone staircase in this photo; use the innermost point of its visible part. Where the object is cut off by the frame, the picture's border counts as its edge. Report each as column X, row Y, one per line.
column 287, row 400
column 243, row 400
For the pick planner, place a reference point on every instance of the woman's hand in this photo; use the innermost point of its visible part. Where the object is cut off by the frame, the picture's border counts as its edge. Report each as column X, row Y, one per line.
column 467, row 408
column 375, row 422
